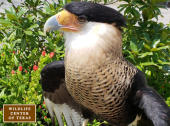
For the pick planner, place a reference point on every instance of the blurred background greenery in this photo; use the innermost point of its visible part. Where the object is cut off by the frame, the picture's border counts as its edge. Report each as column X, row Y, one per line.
column 25, row 50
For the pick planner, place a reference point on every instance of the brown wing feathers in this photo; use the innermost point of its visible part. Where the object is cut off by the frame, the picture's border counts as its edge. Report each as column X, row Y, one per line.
column 57, row 99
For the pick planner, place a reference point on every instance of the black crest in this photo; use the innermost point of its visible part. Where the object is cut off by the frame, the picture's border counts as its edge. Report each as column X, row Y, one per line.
column 96, row 12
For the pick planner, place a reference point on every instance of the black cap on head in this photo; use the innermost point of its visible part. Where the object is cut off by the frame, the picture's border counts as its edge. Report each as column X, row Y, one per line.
column 96, row 12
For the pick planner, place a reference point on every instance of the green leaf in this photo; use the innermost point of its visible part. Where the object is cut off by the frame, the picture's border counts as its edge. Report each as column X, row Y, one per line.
column 157, row 1
column 155, row 43
column 5, row 22
column 2, row 81
column 164, row 35
column 149, row 64
column 164, row 63
column 127, row 10
column 12, row 16
column 12, row 36
column 133, row 46
column 2, row 93
column 41, row 33
column 142, row 55
column 148, row 72
column 135, row 13
column 147, row 46
column 28, row 32
column 33, row 26
column 21, row 12
column 147, row 36
column 160, row 48
column 16, row 60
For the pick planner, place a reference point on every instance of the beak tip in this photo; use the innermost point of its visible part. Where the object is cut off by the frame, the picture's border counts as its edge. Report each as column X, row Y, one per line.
column 51, row 24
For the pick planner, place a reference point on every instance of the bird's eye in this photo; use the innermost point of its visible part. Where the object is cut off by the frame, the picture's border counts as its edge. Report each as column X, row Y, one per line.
column 82, row 19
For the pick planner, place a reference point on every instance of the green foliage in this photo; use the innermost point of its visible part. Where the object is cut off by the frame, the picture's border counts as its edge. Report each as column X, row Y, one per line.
column 146, row 43
column 24, row 51
column 21, row 60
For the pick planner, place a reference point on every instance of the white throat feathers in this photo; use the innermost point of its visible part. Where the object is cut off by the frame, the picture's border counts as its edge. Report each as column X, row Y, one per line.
column 93, row 43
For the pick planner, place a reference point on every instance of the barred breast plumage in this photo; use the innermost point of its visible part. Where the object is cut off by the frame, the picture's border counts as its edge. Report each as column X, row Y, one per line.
column 102, row 88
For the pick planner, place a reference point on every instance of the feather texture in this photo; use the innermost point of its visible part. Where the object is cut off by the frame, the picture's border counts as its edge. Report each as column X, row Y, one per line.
column 58, row 101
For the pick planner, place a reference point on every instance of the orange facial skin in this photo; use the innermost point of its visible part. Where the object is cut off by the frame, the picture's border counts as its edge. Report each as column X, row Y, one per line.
column 68, row 20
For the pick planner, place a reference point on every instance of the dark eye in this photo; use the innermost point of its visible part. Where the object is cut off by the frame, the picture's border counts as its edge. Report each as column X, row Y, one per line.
column 82, row 18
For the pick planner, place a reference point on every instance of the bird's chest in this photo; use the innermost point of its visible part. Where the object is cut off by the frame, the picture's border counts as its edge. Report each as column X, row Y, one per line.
column 102, row 89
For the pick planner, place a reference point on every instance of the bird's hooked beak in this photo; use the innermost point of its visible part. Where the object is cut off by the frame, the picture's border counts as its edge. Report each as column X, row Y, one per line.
column 64, row 21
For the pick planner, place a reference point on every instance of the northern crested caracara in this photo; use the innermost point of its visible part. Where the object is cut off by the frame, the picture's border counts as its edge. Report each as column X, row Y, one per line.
column 95, row 80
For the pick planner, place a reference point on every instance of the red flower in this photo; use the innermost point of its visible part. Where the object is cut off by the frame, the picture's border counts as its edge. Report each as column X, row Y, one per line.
column 26, row 71
column 44, row 102
column 35, row 67
column 20, row 68
column 45, row 117
column 40, row 106
column 43, row 53
column 12, row 72
column 51, row 54
column 13, row 52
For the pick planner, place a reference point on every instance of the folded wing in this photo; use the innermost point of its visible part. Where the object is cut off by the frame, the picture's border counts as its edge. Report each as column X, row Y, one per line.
column 57, row 99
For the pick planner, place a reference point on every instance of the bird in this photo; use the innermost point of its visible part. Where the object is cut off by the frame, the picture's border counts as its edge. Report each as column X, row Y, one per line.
column 94, row 80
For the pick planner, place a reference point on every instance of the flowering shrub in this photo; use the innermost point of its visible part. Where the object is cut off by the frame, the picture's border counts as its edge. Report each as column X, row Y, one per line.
column 24, row 51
